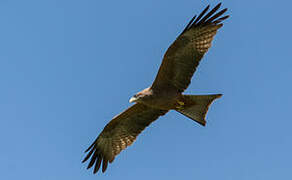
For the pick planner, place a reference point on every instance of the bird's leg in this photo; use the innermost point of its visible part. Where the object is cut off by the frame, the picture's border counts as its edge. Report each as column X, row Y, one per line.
column 180, row 104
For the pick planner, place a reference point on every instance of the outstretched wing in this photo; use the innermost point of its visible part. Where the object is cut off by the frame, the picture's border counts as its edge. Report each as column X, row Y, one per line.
column 183, row 56
column 119, row 133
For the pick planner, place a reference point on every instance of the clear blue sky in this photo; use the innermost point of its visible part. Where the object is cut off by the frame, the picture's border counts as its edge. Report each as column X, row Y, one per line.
column 67, row 67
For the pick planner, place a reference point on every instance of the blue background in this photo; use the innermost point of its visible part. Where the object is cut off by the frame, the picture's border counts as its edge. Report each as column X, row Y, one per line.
column 67, row 67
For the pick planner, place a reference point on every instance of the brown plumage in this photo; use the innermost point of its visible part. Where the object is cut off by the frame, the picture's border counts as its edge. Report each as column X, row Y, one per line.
column 174, row 76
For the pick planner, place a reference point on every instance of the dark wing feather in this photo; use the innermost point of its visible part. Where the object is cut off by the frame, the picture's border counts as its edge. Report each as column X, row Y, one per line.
column 183, row 56
column 119, row 133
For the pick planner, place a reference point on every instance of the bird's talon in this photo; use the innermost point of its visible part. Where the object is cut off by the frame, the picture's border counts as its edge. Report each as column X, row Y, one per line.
column 181, row 103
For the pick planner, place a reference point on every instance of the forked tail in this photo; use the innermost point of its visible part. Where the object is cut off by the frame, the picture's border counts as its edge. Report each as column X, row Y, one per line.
column 196, row 106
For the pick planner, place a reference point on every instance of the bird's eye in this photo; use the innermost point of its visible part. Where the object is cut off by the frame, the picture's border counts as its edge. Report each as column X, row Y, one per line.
column 135, row 96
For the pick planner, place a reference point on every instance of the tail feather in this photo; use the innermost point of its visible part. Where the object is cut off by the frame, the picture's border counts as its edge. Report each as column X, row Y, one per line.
column 196, row 106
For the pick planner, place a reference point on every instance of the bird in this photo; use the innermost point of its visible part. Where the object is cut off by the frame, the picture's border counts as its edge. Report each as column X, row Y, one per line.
column 166, row 92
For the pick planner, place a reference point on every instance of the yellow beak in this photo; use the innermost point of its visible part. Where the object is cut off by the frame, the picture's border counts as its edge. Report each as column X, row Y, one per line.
column 133, row 99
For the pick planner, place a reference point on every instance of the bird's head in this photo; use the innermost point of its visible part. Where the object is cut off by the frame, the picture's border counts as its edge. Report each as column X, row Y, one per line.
column 140, row 96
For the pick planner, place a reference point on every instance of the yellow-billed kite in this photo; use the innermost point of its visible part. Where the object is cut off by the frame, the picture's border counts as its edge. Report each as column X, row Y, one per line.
column 174, row 76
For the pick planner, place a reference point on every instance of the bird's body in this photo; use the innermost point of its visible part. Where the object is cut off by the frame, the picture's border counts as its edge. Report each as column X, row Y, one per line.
column 165, row 100
column 174, row 76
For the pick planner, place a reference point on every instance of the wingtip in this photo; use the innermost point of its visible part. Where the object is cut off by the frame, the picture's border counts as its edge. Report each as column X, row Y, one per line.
column 95, row 170
column 89, row 165
column 224, row 10
column 218, row 5
column 89, row 147
column 207, row 8
column 104, row 165
column 103, row 170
